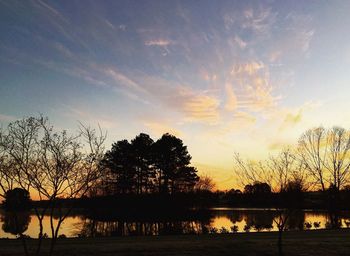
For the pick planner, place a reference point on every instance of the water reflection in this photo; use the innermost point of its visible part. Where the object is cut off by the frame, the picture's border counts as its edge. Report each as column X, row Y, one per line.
column 214, row 221
column 93, row 228
column 15, row 223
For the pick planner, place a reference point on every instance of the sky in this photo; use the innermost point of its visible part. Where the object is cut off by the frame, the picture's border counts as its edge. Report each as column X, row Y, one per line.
column 224, row 76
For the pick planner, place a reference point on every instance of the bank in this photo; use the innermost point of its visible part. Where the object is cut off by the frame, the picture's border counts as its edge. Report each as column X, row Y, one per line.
column 313, row 242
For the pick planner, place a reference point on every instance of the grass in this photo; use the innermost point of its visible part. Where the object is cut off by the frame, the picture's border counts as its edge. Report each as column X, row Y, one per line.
column 316, row 242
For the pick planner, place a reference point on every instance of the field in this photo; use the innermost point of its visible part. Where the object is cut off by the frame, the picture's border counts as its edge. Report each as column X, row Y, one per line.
column 320, row 242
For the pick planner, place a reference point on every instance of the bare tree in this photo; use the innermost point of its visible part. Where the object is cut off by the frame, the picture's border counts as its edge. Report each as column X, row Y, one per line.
column 18, row 151
column 312, row 149
column 325, row 154
column 249, row 171
column 337, row 160
column 205, row 183
column 279, row 172
column 54, row 165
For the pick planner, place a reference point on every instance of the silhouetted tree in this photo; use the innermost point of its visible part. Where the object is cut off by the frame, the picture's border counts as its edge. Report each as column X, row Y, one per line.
column 326, row 154
column 17, row 199
column 119, row 161
column 205, row 183
column 281, row 172
column 18, row 153
column 143, row 164
column 52, row 164
column 258, row 188
column 312, row 151
column 185, row 178
column 171, row 156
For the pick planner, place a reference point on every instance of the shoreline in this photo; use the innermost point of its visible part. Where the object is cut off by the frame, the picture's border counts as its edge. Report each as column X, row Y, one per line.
column 310, row 242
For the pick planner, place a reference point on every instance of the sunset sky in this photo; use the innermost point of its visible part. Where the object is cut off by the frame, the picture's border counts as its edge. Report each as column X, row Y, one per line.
column 224, row 76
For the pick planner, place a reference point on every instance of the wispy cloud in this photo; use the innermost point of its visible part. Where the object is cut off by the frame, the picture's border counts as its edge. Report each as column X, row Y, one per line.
column 122, row 79
column 158, row 42
column 231, row 99
column 250, row 68
column 198, row 107
column 241, row 43
column 293, row 118
column 252, row 86
column 194, row 105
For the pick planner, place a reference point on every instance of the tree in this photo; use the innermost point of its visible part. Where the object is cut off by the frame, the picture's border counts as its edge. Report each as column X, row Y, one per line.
column 185, row 179
column 143, row 164
column 250, row 172
column 170, row 157
column 18, row 153
column 281, row 173
column 325, row 153
column 52, row 164
column 337, row 160
column 120, row 163
column 257, row 188
column 312, row 147
column 205, row 183
column 17, row 199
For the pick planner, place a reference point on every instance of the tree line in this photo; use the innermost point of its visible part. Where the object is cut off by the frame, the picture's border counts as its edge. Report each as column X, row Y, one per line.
column 319, row 161
column 145, row 166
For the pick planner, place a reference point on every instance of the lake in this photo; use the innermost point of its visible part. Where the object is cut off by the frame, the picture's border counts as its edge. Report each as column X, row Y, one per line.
column 215, row 220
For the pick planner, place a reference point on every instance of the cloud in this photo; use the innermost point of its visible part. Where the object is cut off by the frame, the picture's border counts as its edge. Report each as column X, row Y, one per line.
column 250, row 68
column 234, row 123
column 297, row 35
column 196, row 106
column 305, row 39
column 258, row 20
column 158, row 42
column 293, row 118
column 252, row 86
column 62, row 49
column 109, row 24
column 231, row 99
column 242, row 44
column 123, row 79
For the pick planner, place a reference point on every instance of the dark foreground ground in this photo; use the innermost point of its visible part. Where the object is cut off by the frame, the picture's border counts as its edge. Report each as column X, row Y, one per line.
column 321, row 242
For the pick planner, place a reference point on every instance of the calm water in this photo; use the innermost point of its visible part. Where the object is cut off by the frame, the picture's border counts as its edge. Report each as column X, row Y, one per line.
column 218, row 220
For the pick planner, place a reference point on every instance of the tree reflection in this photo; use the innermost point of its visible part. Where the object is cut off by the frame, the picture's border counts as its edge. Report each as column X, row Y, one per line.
column 15, row 223
column 95, row 228
column 259, row 220
column 296, row 220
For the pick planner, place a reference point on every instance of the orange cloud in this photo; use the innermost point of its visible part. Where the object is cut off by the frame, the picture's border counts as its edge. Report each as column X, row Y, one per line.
column 254, row 91
column 231, row 99
column 198, row 107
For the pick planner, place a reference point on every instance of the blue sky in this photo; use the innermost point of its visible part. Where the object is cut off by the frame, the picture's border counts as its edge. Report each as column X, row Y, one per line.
column 225, row 76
